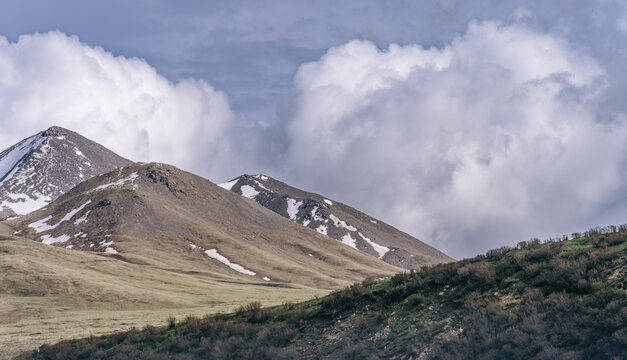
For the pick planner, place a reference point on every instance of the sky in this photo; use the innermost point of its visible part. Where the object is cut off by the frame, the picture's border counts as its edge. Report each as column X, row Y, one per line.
column 470, row 125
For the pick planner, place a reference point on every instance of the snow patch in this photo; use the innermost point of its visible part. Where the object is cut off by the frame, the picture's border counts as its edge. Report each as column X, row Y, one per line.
column 78, row 152
column 120, row 182
column 49, row 239
column 314, row 214
column 261, row 177
column 261, row 185
column 341, row 224
column 213, row 253
column 380, row 249
column 42, row 225
column 106, row 243
column 328, row 201
column 228, row 185
column 292, row 208
column 348, row 240
column 110, row 250
column 71, row 214
column 372, row 221
column 11, row 157
column 265, row 278
column 306, row 222
column 249, row 191
column 82, row 219
column 322, row 229
column 23, row 204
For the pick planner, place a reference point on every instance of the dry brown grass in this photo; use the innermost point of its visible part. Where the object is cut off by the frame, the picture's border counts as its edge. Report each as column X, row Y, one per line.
column 49, row 294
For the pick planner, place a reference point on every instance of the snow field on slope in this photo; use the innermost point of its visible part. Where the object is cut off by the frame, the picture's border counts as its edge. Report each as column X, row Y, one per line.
column 24, row 204
column 380, row 249
column 341, row 223
column 249, row 191
column 348, row 240
column 13, row 157
column 228, row 185
column 292, row 208
column 213, row 253
column 120, row 182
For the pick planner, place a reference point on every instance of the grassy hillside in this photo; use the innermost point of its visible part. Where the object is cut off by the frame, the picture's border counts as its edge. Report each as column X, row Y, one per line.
column 48, row 294
column 141, row 240
column 554, row 300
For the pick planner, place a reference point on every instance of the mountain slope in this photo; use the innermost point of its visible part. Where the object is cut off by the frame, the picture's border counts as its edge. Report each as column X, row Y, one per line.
column 48, row 294
column 147, row 241
column 44, row 166
column 557, row 300
column 338, row 221
column 159, row 215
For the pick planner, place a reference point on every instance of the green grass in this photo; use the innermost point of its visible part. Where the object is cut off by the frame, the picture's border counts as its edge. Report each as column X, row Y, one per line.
column 563, row 299
column 576, row 244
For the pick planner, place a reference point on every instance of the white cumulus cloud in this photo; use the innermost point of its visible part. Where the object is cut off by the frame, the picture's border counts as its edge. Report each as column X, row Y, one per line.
column 487, row 141
column 122, row 103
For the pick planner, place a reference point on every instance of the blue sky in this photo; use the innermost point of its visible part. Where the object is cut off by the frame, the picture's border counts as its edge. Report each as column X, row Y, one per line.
column 432, row 115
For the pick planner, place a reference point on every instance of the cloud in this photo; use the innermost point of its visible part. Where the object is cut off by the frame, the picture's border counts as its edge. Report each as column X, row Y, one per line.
column 498, row 135
column 621, row 25
column 522, row 13
column 489, row 140
column 122, row 103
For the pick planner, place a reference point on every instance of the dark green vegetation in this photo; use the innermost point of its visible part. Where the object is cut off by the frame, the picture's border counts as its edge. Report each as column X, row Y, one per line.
column 554, row 300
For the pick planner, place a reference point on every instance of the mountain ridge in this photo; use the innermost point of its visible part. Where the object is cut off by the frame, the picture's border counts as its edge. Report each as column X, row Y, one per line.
column 338, row 221
column 143, row 208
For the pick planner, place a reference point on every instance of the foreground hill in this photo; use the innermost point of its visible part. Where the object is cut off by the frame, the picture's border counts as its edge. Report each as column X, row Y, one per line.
column 44, row 166
column 338, row 221
column 557, row 300
column 158, row 215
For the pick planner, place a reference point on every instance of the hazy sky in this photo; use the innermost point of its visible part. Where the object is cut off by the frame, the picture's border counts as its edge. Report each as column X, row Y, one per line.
column 471, row 125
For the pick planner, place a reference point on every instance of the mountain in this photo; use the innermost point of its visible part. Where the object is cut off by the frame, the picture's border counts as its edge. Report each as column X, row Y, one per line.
column 159, row 215
column 553, row 300
column 147, row 241
column 41, row 168
column 338, row 221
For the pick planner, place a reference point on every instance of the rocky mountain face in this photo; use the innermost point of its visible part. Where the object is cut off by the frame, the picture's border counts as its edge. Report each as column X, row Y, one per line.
column 44, row 166
column 159, row 215
column 338, row 221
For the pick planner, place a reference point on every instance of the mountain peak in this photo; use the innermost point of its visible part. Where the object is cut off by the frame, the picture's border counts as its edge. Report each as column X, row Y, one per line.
column 55, row 130
column 42, row 167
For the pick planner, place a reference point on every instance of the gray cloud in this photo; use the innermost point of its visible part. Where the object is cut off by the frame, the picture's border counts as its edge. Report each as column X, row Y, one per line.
column 488, row 140
column 486, row 132
column 52, row 79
